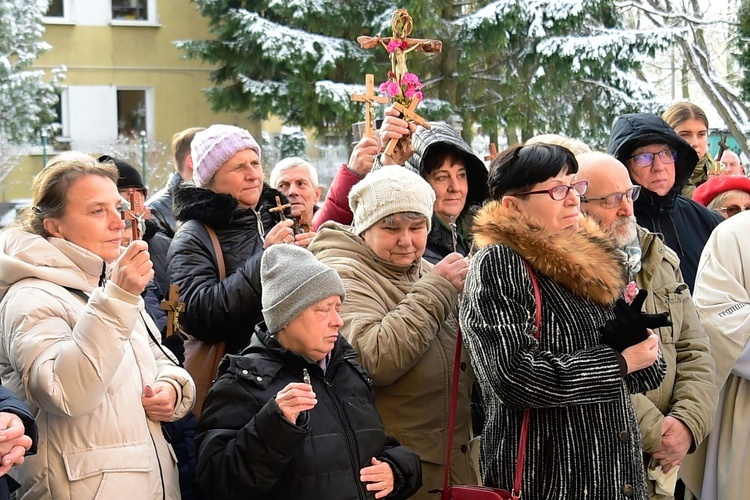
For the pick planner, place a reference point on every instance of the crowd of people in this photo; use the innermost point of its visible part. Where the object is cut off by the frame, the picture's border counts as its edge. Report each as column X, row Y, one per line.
column 602, row 301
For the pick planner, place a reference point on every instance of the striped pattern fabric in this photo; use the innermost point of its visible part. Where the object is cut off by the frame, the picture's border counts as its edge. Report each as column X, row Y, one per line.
column 584, row 440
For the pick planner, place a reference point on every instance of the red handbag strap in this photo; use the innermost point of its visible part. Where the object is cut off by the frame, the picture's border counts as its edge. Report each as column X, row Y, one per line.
column 516, row 493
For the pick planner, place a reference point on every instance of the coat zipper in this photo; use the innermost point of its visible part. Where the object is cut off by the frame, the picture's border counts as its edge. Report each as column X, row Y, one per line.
column 348, row 434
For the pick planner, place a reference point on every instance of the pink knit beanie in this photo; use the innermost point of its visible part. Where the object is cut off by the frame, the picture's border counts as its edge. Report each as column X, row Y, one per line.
column 214, row 146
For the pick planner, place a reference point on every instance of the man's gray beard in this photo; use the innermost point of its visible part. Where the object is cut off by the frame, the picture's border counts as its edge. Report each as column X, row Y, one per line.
column 623, row 231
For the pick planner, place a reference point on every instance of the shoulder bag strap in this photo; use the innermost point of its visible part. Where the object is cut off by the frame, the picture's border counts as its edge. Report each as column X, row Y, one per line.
column 516, row 493
column 217, row 252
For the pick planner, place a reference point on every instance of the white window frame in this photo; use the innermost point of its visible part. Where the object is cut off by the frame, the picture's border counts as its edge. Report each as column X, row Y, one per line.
column 66, row 18
column 152, row 19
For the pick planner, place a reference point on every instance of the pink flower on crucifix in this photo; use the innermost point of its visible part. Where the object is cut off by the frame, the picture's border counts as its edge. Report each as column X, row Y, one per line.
column 404, row 91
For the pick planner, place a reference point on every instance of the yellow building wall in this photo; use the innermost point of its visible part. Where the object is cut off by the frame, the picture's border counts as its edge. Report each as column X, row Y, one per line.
column 138, row 56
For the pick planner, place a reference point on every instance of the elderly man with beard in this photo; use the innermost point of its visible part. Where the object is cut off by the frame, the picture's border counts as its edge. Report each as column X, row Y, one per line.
column 677, row 416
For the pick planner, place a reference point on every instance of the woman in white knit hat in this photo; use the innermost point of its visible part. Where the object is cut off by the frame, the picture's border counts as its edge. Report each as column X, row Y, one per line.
column 294, row 416
column 401, row 315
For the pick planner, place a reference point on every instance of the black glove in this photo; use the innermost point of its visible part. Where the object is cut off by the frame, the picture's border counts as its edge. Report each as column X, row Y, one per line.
column 176, row 344
column 630, row 324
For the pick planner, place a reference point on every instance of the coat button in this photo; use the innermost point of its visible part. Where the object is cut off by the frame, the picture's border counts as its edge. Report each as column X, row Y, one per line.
column 244, row 372
column 463, row 366
column 624, row 436
column 259, row 378
column 627, row 490
column 464, row 448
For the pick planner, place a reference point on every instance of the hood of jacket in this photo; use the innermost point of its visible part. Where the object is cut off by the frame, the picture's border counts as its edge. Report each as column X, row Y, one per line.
column 641, row 129
column 424, row 139
column 585, row 261
column 218, row 210
column 25, row 255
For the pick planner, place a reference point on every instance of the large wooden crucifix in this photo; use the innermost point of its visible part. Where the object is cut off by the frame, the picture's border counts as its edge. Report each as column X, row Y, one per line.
column 174, row 307
column 369, row 98
column 137, row 212
column 398, row 46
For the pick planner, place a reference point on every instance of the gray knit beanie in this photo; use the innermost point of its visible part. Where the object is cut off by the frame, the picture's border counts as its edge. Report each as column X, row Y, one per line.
column 293, row 280
column 387, row 191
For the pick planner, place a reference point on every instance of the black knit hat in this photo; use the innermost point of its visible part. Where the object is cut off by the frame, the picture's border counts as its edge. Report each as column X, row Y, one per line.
column 129, row 176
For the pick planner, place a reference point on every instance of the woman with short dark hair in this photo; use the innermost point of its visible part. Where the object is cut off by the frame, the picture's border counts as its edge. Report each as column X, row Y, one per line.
column 583, row 435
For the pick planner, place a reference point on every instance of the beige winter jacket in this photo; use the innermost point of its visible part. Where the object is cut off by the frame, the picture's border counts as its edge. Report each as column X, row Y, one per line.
column 82, row 368
column 402, row 322
column 688, row 392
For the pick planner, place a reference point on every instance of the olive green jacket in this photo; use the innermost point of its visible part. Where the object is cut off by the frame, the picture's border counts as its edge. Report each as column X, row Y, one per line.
column 688, row 392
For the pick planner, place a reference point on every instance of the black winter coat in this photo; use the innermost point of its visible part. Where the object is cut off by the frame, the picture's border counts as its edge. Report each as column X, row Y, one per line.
column 424, row 140
column 246, row 449
column 229, row 309
column 684, row 224
column 160, row 205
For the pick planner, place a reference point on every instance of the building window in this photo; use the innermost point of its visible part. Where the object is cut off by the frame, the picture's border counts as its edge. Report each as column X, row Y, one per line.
column 131, row 112
column 130, row 10
column 56, row 8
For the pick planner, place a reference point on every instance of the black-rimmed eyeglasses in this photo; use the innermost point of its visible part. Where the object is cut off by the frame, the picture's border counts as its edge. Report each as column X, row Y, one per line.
column 558, row 193
column 647, row 159
column 613, row 200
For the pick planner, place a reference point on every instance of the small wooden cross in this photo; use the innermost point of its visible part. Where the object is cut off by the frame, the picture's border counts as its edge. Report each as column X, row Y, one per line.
column 369, row 98
column 280, row 208
column 302, row 223
column 174, row 307
column 408, row 114
column 493, row 152
column 137, row 212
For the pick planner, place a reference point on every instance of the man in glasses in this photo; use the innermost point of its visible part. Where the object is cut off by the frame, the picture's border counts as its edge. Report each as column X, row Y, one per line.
column 661, row 162
column 677, row 416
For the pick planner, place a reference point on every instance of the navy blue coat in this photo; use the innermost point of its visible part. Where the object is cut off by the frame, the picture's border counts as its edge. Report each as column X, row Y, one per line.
column 11, row 404
column 684, row 224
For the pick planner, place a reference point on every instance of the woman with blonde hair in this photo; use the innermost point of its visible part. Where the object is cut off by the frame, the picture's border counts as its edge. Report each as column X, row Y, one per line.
column 690, row 123
column 76, row 345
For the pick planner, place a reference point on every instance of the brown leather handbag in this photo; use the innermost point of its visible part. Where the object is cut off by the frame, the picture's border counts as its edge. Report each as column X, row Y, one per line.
column 477, row 492
column 202, row 358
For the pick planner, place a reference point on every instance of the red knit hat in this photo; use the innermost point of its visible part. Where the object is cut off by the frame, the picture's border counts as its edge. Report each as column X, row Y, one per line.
column 714, row 186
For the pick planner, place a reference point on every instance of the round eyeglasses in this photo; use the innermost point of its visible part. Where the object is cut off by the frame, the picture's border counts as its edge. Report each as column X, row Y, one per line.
column 613, row 200
column 733, row 210
column 647, row 159
column 559, row 193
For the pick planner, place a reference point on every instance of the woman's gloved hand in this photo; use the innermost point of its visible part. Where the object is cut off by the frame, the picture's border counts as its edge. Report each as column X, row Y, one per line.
column 630, row 324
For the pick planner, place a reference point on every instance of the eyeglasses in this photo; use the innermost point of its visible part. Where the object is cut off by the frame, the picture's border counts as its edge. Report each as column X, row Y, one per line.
column 613, row 200
column 647, row 159
column 732, row 210
column 559, row 193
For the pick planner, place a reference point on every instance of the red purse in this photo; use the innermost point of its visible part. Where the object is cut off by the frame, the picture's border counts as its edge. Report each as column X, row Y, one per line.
column 476, row 492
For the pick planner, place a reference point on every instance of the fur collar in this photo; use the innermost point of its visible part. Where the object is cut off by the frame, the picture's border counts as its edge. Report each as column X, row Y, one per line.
column 214, row 209
column 585, row 262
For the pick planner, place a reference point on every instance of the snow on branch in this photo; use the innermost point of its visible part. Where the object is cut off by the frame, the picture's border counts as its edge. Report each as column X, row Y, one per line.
column 600, row 46
column 672, row 15
column 289, row 45
column 338, row 93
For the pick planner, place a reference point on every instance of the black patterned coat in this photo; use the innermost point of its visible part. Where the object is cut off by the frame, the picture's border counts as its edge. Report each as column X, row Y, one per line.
column 584, row 440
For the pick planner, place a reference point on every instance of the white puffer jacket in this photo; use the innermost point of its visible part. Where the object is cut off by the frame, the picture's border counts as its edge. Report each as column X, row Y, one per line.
column 82, row 369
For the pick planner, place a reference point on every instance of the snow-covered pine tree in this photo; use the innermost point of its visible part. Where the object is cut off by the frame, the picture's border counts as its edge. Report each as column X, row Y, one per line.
column 530, row 66
column 27, row 101
column 557, row 66
column 297, row 59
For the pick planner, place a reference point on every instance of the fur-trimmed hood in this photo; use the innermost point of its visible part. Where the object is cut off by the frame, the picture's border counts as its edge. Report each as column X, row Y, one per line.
column 215, row 209
column 586, row 262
